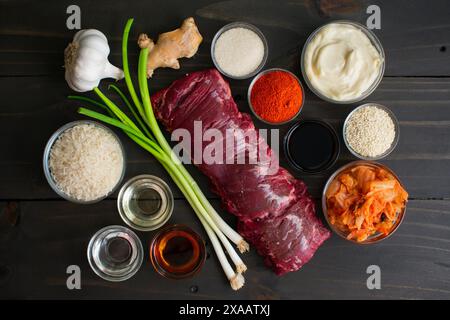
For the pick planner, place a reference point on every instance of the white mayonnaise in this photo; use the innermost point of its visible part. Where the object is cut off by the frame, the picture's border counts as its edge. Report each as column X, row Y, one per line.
column 341, row 62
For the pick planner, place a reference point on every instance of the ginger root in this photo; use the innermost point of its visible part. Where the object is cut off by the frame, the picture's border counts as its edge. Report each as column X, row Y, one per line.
column 180, row 43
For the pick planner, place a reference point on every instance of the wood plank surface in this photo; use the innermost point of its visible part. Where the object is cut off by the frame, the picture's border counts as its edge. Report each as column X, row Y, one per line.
column 51, row 235
column 40, row 234
column 414, row 33
column 420, row 159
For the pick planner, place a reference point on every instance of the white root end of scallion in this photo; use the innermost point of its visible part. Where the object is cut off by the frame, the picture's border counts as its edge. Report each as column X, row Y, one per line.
column 243, row 246
column 241, row 268
column 237, row 281
column 231, row 234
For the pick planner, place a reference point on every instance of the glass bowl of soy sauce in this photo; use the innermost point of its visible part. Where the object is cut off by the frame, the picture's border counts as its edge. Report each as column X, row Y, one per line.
column 311, row 146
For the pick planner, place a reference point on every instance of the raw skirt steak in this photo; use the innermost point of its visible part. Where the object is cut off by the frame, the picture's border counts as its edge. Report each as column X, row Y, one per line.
column 276, row 214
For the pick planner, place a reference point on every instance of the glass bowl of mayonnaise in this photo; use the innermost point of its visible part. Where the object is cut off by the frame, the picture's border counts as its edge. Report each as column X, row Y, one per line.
column 342, row 62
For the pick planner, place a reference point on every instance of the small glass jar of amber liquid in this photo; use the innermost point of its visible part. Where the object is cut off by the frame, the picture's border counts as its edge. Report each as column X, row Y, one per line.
column 177, row 252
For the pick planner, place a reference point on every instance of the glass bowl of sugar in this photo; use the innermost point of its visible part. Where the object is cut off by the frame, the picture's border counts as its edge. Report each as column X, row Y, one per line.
column 239, row 50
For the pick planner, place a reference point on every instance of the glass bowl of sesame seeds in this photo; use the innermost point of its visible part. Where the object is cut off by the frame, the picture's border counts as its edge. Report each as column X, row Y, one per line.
column 371, row 131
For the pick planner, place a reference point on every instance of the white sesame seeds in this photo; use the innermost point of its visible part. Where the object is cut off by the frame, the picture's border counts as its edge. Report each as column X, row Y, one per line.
column 370, row 131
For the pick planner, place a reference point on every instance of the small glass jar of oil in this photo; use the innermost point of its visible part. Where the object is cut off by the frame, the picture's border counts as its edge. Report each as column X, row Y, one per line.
column 145, row 202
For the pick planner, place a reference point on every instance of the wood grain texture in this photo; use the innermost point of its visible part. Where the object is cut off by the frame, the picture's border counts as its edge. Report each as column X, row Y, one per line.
column 421, row 159
column 40, row 234
column 34, row 255
column 413, row 32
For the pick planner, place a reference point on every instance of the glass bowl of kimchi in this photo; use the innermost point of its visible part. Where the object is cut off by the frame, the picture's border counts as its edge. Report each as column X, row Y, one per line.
column 364, row 202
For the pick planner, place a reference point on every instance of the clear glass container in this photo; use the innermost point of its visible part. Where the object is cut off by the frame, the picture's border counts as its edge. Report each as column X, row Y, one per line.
column 246, row 26
column 377, row 237
column 255, row 79
column 375, row 42
column 145, row 202
column 115, row 253
column 396, row 126
column 46, row 160
column 177, row 252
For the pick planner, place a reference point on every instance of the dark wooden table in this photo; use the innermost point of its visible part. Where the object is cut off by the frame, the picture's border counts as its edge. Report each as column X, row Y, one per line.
column 41, row 234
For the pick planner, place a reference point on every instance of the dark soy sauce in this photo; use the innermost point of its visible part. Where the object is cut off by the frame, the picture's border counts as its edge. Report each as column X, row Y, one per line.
column 312, row 146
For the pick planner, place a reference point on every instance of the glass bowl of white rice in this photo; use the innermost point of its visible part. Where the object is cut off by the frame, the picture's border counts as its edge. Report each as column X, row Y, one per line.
column 84, row 162
column 371, row 131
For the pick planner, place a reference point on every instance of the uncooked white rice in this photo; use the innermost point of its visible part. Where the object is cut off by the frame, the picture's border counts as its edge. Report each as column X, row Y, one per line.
column 86, row 162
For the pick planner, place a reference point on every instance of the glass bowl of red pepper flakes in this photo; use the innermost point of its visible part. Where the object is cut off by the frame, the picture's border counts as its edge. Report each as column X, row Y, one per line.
column 276, row 96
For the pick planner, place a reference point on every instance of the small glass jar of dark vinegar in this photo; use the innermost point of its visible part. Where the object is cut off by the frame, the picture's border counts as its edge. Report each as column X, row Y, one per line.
column 177, row 252
column 115, row 253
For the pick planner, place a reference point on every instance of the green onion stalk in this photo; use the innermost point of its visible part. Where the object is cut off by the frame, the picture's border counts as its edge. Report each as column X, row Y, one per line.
column 146, row 132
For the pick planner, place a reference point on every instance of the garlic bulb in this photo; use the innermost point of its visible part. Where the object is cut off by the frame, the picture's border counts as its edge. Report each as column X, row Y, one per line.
column 86, row 61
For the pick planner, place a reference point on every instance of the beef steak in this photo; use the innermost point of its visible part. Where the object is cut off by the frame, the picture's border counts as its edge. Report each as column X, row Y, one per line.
column 275, row 212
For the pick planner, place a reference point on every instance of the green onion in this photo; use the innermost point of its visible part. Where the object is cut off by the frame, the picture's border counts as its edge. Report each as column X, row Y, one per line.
column 149, row 136
column 127, row 102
